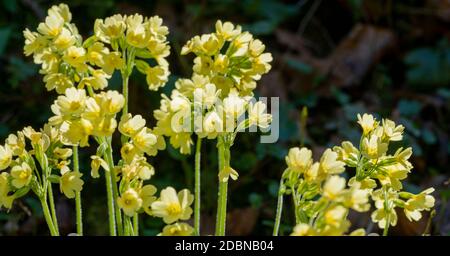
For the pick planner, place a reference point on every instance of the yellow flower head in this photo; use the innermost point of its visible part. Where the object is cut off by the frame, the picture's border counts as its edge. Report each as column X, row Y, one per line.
column 367, row 122
column 258, row 116
column 333, row 187
column 5, row 157
column 95, row 166
column 417, row 203
column 130, row 125
column 172, row 207
column 5, row 199
column 147, row 193
column 303, row 229
column 299, row 159
column 373, row 147
column 177, row 229
column 53, row 24
column 71, row 182
column 330, row 164
column 144, row 140
column 391, row 131
column 112, row 28
column 130, row 202
column 21, row 175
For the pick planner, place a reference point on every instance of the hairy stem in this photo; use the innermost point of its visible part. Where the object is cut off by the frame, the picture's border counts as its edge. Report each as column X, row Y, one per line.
column 276, row 227
column 52, row 207
column 224, row 161
column 115, row 191
column 78, row 209
column 197, row 186
column 48, row 217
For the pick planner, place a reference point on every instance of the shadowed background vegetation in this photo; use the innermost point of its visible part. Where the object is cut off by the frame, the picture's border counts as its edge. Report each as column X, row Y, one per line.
column 332, row 60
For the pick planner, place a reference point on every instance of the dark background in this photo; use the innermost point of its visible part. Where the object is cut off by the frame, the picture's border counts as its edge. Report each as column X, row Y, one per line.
column 337, row 58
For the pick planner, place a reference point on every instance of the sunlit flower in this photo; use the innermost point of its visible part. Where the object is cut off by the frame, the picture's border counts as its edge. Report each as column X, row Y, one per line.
column 172, row 207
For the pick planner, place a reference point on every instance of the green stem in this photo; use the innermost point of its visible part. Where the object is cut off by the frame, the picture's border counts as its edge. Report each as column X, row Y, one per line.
column 197, row 186
column 276, row 227
column 224, row 161
column 136, row 224
column 294, row 199
column 128, row 229
column 48, row 217
column 115, row 191
column 52, row 207
column 78, row 209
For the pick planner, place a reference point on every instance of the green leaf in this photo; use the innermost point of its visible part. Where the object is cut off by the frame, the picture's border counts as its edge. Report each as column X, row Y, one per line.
column 141, row 66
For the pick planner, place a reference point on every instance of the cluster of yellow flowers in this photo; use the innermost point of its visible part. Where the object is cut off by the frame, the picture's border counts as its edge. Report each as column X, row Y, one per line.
column 133, row 37
column 35, row 159
column 323, row 199
column 230, row 58
column 218, row 95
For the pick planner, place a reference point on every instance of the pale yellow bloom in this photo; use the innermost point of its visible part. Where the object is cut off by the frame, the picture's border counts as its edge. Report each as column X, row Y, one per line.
column 95, row 166
column 417, row 203
column 303, row 229
column 329, row 163
column 58, row 82
column 21, row 175
column 112, row 61
column 64, row 40
column 5, row 157
column 130, row 125
column 333, row 187
column 98, row 80
column 227, row 30
column 177, row 229
column 391, row 131
column 367, row 122
column 156, row 76
column 136, row 35
column 129, row 202
column 34, row 42
column 335, row 215
column 76, row 57
column 53, row 24
column 5, row 199
column 71, row 182
column 112, row 28
column 299, row 159
column 147, row 193
column 172, row 207
column 373, row 147
column 258, row 116
column 144, row 140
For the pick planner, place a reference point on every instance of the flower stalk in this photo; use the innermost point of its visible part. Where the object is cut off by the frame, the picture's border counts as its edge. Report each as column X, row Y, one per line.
column 197, row 195
column 78, row 209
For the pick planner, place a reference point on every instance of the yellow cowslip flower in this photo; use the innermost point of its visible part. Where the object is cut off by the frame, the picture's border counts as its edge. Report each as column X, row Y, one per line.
column 187, row 86
column 71, row 182
column 128, row 152
column 111, row 102
column 207, row 96
column 260, row 64
column 227, row 30
column 95, row 166
column 58, row 82
column 357, row 199
column 330, row 164
column 183, row 141
column 62, row 153
column 367, row 122
column 393, row 174
column 347, row 153
column 335, row 215
column 64, row 40
column 34, row 42
column 203, row 65
column 72, row 103
column 156, row 29
column 258, row 116
column 373, row 147
column 129, row 202
column 98, row 80
column 96, row 54
column 172, row 207
column 159, row 51
column 77, row 132
column 417, row 203
column 144, row 140
column 104, row 126
column 130, row 125
column 156, row 76
column 234, row 107
column 112, row 28
column 226, row 173
column 334, row 187
column 112, row 61
column 76, row 57
column 402, row 156
column 5, row 157
column 314, row 174
column 49, row 60
column 145, row 171
column 147, row 193
column 212, row 125
column 299, row 159
column 53, row 24
column 5, row 199
column 177, row 229
column 63, row 11
column 385, row 209
column 136, row 35
column 366, row 183
column 303, row 229
column 160, row 145
column 16, row 143
column 239, row 46
column 391, row 131
column 207, row 44
column 21, row 175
